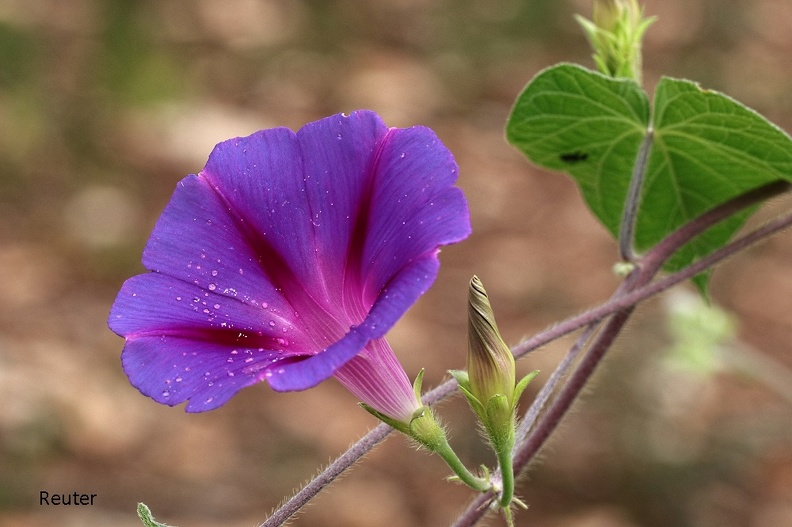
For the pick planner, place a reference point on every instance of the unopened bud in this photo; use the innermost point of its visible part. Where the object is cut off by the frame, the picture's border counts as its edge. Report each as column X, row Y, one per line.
column 615, row 32
column 491, row 369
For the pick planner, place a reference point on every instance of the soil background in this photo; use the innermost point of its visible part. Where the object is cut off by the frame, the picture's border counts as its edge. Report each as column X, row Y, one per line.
column 106, row 104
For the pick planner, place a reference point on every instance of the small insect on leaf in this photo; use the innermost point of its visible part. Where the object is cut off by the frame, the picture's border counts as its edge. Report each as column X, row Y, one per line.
column 573, row 157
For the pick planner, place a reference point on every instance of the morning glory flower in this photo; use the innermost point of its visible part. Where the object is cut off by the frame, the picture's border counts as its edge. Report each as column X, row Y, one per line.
column 287, row 259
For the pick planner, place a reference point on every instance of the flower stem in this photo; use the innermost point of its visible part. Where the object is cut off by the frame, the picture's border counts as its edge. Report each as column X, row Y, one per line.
column 506, row 464
column 476, row 483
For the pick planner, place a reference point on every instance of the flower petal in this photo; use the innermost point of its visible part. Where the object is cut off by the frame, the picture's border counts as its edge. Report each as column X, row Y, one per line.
column 415, row 207
column 302, row 193
column 376, row 378
column 200, row 240
column 399, row 294
column 188, row 343
column 172, row 369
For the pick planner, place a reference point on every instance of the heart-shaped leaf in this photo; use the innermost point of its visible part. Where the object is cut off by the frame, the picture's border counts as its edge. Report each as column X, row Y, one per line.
column 707, row 149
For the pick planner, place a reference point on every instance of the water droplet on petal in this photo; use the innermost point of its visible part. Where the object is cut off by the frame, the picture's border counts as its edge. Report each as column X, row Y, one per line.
column 214, row 272
column 212, row 287
column 165, row 393
column 272, row 323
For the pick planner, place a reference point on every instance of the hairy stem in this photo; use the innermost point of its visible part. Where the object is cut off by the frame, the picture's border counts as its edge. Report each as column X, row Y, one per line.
column 328, row 475
column 633, row 200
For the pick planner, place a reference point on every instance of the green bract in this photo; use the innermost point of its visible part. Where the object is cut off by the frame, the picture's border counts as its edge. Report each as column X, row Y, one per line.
column 707, row 149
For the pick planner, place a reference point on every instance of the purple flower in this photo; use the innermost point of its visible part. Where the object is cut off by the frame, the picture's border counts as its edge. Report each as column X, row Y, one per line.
column 287, row 259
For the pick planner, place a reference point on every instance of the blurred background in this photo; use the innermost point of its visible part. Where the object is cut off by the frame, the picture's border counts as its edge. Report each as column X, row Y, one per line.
column 106, row 104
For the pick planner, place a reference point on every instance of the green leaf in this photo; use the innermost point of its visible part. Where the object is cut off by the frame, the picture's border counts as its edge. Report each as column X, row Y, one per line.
column 707, row 149
column 144, row 513
column 588, row 125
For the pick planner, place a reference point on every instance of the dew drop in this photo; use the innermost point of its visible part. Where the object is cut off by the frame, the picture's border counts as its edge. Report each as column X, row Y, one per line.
column 207, row 374
column 178, row 379
column 249, row 359
column 214, row 272
column 272, row 323
column 209, row 400
column 230, row 374
column 212, row 287
column 178, row 298
column 165, row 393
column 217, row 306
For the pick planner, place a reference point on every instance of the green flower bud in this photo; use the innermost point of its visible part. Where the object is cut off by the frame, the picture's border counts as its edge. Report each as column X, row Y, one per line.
column 490, row 364
column 606, row 14
column 615, row 34
column 489, row 385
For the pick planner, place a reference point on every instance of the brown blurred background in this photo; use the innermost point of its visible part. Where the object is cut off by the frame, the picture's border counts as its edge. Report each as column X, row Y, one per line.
column 106, row 104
